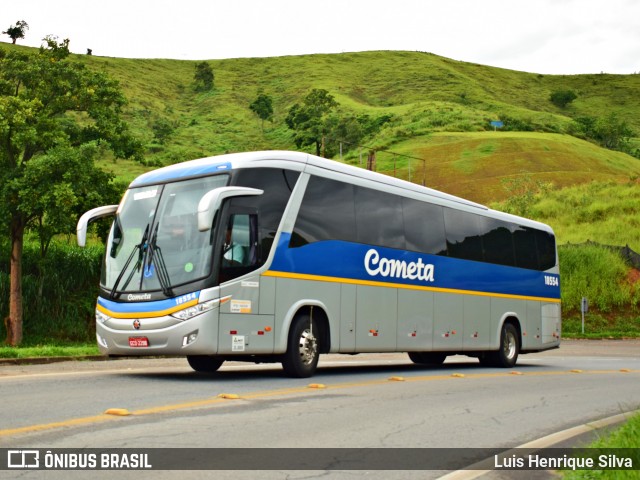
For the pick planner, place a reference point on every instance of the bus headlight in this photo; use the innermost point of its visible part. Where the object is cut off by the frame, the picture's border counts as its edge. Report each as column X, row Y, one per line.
column 191, row 312
column 101, row 317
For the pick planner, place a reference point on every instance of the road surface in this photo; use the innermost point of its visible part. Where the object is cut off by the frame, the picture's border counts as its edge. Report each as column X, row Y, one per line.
column 365, row 401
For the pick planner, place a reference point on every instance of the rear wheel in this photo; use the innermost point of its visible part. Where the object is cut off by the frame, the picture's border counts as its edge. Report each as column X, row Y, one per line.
column 507, row 355
column 427, row 358
column 204, row 363
column 303, row 348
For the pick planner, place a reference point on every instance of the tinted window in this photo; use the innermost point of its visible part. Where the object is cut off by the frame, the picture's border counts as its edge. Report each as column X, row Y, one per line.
column 546, row 249
column 379, row 218
column 525, row 248
column 424, row 227
column 497, row 242
column 333, row 210
column 277, row 185
column 327, row 213
column 463, row 234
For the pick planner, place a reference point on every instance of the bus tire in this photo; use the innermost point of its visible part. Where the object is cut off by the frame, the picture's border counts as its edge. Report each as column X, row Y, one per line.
column 204, row 363
column 303, row 348
column 427, row 358
column 507, row 355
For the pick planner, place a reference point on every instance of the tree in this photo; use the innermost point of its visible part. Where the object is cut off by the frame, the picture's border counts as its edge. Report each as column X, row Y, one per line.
column 17, row 31
column 52, row 111
column 203, row 77
column 610, row 132
column 162, row 129
column 562, row 98
column 311, row 120
column 263, row 107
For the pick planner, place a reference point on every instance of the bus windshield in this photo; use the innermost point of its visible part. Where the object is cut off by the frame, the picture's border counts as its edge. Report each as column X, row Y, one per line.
column 154, row 243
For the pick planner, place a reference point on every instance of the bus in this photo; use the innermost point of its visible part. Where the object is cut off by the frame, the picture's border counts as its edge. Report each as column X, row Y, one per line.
column 282, row 256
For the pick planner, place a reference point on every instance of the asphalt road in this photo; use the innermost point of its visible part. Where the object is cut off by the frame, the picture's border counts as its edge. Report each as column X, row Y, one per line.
column 363, row 401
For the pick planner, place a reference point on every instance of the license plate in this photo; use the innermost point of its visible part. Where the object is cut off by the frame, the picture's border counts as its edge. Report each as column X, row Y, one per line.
column 138, row 342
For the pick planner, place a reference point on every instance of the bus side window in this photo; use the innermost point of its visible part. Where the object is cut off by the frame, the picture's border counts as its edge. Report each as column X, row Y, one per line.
column 240, row 249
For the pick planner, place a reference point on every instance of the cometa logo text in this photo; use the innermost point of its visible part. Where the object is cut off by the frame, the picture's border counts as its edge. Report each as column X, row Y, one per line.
column 393, row 268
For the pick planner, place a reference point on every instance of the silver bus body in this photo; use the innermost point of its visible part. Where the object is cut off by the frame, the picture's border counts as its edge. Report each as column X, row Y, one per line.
column 353, row 294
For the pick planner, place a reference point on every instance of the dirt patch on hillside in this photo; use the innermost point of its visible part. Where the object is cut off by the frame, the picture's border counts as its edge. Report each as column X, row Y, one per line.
column 633, row 277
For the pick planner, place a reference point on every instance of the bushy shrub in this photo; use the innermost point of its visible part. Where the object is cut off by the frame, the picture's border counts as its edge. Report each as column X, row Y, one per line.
column 59, row 292
column 597, row 273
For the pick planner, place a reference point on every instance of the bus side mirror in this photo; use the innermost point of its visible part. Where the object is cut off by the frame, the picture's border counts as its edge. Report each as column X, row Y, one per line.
column 211, row 201
column 87, row 217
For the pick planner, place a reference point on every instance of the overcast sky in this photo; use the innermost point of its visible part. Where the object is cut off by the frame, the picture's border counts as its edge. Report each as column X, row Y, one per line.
column 541, row 36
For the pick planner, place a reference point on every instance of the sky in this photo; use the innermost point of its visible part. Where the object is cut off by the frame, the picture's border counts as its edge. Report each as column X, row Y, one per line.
column 540, row 36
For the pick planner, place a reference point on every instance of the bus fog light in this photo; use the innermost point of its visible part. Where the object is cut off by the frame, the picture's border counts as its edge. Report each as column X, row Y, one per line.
column 101, row 341
column 190, row 338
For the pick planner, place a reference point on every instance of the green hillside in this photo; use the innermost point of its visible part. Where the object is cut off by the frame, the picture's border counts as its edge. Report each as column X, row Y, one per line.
column 475, row 165
column 440, row 112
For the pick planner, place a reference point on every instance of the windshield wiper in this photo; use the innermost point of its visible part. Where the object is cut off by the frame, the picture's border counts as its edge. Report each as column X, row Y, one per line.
column 163, row 273
column 140, row 248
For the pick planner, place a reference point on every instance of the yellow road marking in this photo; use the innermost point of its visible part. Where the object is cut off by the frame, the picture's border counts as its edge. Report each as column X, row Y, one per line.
column 304, row 389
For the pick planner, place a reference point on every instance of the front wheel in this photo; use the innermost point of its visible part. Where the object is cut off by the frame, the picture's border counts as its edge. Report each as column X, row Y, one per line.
column 303, row 349
column 204, row 363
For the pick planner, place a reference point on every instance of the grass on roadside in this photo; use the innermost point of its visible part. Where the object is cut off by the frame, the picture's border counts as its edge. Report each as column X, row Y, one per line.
column 600, row 326
column 68, row 350
column 625, row 437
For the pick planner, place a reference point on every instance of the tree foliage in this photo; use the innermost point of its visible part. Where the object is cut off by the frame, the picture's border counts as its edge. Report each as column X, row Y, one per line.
column 163, row 128
column 17, row 31
column 317, row 121
column 609, row 132
column 203, row 77
column 262, row 106
column 311, row 120
column 54, row 116
column 562, row 98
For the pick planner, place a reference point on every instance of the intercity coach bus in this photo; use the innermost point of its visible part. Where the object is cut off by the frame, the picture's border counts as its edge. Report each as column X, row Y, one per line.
column 281, row 256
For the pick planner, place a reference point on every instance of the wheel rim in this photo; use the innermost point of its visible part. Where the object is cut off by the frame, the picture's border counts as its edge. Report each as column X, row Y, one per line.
column 308, row 347
column 510, row 345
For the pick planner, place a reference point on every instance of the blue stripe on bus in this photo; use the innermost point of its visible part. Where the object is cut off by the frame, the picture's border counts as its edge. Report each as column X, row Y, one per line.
column 339, row 259
column 178, row 171
column 148, row 307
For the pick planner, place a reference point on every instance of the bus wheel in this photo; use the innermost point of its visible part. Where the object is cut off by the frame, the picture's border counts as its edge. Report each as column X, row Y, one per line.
column 507, row 355
column 427, row 358
column 303, row 349
column 204, row 363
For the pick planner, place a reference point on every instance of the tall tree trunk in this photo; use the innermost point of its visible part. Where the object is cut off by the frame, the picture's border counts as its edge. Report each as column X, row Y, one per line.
column 13, row 323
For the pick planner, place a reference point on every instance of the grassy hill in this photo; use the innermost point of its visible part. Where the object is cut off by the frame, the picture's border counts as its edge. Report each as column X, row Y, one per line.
column 427, row 96
column 440, row 113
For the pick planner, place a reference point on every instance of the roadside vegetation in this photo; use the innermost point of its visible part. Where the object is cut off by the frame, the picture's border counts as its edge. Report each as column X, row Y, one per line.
column 625, row 437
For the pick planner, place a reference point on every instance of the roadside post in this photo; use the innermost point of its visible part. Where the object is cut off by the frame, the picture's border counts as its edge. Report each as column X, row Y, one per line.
column 584, row 308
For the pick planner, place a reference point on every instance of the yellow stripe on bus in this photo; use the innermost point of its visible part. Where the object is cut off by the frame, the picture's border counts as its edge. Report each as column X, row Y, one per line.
column 159, row 313
column 321, row 278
